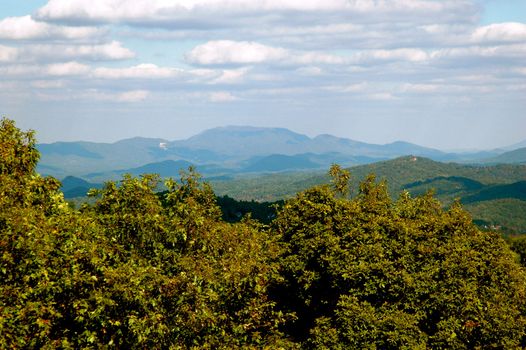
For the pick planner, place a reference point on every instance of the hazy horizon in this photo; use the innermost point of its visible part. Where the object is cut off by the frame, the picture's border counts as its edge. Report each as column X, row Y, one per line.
column 457, row 150
column 449, row 74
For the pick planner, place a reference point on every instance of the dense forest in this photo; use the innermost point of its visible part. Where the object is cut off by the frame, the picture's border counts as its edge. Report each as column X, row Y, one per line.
column 340, row 266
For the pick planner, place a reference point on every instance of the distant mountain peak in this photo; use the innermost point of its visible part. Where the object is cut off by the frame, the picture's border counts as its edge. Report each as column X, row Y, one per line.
column 246, row 130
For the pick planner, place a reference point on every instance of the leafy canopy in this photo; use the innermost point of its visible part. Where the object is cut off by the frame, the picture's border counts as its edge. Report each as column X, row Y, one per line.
column 141, row 270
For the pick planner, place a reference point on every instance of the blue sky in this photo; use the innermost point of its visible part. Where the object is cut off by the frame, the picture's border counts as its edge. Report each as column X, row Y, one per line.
column 449, row 74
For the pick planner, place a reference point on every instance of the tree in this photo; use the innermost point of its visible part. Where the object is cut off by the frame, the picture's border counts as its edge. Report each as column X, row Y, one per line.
column 137, row 269
column 130, row 271
column 370, row 273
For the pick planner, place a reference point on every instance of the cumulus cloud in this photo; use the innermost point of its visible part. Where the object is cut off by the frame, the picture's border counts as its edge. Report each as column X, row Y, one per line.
column 162, row 12
column 231, row 76
column 227, row 52
column 500, row 32
column 26, row 28
column 223, row 52
column 59, row 52
column 403, row 54
column 233, row 52
column 306, row 51
column 65, row 52
column 481, row 53
column 141, row 71
column 66, row 69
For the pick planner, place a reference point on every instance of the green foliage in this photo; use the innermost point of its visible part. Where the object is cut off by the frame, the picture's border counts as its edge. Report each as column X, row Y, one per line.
column 131, row 270
column 478, row 185
column 518, row 245
column 340, row 179
column 371, row 273
column 234, row 210
column 267, row 188
column 504, row 215
column 135, row 269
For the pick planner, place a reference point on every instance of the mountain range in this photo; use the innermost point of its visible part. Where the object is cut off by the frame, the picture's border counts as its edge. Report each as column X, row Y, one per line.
column 235, row 150
column 494, row 192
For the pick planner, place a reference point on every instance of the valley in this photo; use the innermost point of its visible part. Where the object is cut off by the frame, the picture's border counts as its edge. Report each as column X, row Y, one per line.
column 268, row 165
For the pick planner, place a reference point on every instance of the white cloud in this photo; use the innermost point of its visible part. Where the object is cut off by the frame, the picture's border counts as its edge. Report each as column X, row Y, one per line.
column 517, row 51
column 500, row 32
column 223, row 52
column 48, row 84
column 316, row 58
column 234, row 52
column 222, row 96
column 8, row 54
column 380, row 96
column 403, row 54
column 43, row 71
column 231, row 76
column 419, row 88
column 163, row 12
column 310, row 71
column 59, row 52
column 350, row 88
column 141, row 71
column 8, row 86
column 132, row 96
column 66, row 69
column 26, row 28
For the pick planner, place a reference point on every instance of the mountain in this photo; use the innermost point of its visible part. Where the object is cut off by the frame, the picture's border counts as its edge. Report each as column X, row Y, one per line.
column 231, row 149
column 280, row 162
column 515, row 146
column 515, row 190
column 245, row 141
column 71, row 182
column 517, row 156
column 80, row 149
column 416, row 174
column 495, row 195
column 166, row 168
column 79, row 158
column 445, row 186
column 76, row 187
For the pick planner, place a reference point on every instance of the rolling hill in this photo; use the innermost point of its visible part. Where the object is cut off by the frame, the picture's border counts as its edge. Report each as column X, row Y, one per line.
column 166, row 168
column 517, row 156
column 73, row 187
column 399, row 173
column 475, row 186
column 503, row 186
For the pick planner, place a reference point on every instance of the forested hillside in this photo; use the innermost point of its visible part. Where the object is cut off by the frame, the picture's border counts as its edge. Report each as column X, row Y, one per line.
column 517, row 156
column 342, row 266
column 487, row 191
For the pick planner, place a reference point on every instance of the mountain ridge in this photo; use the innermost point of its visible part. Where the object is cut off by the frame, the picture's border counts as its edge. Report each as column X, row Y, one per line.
column 227, row 147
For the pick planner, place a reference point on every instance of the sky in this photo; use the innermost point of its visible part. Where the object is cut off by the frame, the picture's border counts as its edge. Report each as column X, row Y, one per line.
column 448, row 74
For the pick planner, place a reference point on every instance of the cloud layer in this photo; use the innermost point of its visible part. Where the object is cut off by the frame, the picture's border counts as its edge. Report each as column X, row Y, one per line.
column 401, row 55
